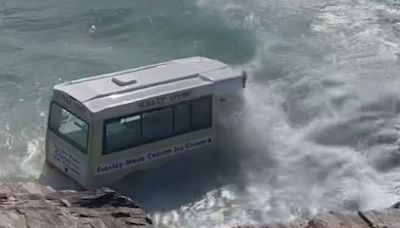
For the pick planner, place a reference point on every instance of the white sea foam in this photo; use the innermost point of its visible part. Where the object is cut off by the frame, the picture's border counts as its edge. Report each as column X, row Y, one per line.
column 317, row 126
column 319, row 134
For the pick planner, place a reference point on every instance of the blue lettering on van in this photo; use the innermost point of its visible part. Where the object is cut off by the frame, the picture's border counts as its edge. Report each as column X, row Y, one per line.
column 66, row 159
column 159, row 154
column 110, row 167
column 198, row 143
column 170, row 98
column 134, row 161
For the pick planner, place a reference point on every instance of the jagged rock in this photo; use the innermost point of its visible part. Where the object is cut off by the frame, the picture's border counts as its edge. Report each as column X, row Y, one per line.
column 361, row 219
column 30, row 205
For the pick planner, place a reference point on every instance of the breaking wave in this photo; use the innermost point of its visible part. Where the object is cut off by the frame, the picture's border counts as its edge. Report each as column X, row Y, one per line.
column 316, row 128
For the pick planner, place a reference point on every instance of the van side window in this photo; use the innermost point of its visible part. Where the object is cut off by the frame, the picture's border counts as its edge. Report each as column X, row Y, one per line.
column 69, row 127
column 182, row 118
column 122, row 133
column 150, row 126
column 201, row 113
column 157, row 124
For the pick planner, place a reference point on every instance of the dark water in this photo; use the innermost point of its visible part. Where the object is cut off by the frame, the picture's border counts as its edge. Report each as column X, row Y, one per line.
column 318, row 125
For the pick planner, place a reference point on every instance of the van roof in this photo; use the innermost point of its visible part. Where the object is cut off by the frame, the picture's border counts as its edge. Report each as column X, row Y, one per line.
column 196, row 71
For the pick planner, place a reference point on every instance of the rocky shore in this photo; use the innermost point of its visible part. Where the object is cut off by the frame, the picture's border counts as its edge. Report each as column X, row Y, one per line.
column 387, row 218
column 30, row 205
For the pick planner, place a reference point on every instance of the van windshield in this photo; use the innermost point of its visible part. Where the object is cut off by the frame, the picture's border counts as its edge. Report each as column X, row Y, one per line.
column 69, row 127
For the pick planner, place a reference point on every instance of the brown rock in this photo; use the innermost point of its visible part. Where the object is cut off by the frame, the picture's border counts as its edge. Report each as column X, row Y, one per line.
column 30, row 205
column 386, row 218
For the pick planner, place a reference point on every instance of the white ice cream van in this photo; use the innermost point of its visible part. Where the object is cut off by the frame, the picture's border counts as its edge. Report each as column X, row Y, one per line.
column 104, row 127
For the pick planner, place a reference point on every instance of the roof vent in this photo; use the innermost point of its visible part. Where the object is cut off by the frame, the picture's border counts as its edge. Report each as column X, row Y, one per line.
column 120, row 82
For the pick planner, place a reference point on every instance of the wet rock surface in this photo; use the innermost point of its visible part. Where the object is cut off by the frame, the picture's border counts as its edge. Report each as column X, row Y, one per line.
column 30, row 205
column 388, row 218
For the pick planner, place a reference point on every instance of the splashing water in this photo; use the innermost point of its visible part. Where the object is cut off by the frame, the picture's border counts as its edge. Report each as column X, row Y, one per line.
column 316, row 128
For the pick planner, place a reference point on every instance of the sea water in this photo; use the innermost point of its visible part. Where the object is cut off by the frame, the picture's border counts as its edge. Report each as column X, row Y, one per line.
column 316, row 128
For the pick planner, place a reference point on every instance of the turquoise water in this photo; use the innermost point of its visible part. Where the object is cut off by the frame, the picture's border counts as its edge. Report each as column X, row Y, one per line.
column 318, row 126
